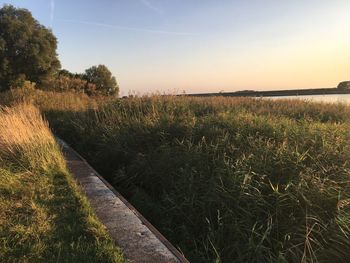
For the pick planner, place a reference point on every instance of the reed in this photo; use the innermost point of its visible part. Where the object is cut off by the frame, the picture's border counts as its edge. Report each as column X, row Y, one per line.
column 224, row 179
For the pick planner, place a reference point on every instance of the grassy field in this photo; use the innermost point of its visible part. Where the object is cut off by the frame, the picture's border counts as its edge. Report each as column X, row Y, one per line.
column 224, row 179
column 43, row 215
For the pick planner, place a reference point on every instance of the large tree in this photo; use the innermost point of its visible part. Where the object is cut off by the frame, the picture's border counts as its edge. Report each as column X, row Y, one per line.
column 27, row 48
column 103, row 79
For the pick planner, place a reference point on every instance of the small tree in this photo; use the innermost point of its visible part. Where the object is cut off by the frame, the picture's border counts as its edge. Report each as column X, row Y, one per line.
column 105, row 82
column 67, row 73
column 27, row 49
column 344, row 85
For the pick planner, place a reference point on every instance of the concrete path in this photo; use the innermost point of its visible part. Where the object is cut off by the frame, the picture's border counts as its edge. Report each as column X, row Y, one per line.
column 138, row 239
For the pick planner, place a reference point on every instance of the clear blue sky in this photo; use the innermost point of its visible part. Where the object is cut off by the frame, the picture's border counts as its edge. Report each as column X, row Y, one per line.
column 202, row 45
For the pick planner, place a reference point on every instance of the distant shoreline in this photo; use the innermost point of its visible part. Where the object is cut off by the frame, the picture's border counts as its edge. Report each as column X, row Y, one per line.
column 275, row 93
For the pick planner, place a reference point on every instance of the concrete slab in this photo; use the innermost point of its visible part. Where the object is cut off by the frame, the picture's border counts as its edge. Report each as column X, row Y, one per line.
column 138, row 239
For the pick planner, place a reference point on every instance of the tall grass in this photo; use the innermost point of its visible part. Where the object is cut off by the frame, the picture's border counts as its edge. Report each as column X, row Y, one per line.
column 225, row 179
column 50, row 100
column 25, row 139
column 43, row 215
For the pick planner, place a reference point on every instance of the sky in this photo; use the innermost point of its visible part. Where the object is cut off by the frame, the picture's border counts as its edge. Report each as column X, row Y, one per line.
column 194, row 46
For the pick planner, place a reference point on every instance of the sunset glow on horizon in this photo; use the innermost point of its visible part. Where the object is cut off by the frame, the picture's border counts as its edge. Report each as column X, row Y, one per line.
column 202, row 46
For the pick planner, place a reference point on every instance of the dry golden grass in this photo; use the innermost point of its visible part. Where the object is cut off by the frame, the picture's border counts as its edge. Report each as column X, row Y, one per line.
column 25, row 138
column 49, row 100
column 43, row 215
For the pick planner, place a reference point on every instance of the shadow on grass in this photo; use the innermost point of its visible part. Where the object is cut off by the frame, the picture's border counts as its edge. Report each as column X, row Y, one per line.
column 254, row 183
column 76, row 235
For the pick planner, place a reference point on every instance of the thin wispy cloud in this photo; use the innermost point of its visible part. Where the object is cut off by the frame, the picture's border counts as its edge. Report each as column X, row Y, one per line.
column 151, row 6
column 117, row 27
column 52, row 12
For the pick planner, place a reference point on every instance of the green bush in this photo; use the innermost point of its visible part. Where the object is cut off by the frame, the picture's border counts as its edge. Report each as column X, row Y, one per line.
column 226, row 179
column 27, row 49
column 64, row 83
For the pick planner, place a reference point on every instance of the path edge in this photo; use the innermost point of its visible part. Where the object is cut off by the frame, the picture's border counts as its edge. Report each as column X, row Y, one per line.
column 156, row 233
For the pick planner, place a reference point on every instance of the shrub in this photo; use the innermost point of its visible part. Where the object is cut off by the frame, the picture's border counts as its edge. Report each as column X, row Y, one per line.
column 227, row 179
column 27, row 49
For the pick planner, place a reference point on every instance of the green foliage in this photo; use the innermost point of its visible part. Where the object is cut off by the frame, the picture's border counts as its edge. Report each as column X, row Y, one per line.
column 43, row 215
column 67, row 73
column 70, row 82
column 344, row 85
column 226, row 179
column 101, row 76
column 28, row 52
column 27, row 49
column 96, row 81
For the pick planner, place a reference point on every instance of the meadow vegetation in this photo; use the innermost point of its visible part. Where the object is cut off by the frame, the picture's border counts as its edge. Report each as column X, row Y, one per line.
column 43, row 215
column 224, row 179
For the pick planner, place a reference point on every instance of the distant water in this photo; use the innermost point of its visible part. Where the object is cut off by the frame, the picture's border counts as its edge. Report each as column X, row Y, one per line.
column 332, row 98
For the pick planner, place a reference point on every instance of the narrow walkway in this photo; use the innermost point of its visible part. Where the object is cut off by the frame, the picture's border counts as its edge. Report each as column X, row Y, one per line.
column 138, row 239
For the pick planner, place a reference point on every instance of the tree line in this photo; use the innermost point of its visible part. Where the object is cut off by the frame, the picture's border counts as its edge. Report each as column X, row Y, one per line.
column 28, row 56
